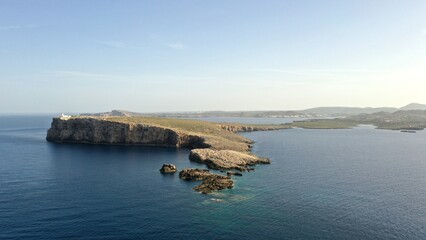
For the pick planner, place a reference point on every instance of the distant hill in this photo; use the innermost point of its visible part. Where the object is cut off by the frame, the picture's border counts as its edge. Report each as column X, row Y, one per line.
column 259, row 114
column 402, row 119
column 399, row 120
column 414, row 106
column 398, row 116
column 347, row 111
column 308, row 113
column 114, row 113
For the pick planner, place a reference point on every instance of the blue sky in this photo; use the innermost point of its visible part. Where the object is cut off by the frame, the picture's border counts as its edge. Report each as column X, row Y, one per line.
column 153, row 56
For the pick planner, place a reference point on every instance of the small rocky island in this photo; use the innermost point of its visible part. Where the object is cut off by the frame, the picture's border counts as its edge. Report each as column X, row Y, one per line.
column 168, row 168
column 217, row 145
column 210, row 181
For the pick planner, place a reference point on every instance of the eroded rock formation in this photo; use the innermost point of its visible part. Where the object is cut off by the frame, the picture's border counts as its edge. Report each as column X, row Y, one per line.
column 211, row 182
column 168, row 168
column 226, row 159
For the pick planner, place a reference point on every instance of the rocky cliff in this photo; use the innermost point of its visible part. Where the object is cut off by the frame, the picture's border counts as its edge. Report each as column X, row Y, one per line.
column 104, row 131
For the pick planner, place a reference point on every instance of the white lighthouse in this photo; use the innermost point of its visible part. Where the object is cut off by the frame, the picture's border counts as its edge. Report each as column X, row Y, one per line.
column 65, row 117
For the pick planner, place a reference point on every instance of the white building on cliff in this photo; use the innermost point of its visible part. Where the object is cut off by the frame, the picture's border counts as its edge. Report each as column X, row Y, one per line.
column 64, row 117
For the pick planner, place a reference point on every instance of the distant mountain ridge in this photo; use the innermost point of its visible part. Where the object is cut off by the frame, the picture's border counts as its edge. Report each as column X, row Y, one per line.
column 349, row 111
column 258, row 114
column 114, row 113
column 414, row 106
column 346, row 111
column 405, row 120
column 307, row 113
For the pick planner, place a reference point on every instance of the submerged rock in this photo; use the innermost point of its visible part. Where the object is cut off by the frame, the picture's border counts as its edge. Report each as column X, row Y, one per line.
column 232, row 173
column 211, row 182
column 194, row 174
column 168, row 168
column 226, row 159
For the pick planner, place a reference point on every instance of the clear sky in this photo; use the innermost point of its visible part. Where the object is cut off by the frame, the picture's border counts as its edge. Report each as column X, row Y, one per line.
column 153, row 56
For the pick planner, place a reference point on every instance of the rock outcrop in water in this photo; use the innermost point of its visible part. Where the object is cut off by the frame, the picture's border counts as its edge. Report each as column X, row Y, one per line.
column 211, row 182
column 232, row 173
column 168, row 168
column 226, row 159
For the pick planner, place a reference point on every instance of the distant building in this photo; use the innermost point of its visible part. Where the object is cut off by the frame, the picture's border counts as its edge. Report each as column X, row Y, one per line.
column 65, row 117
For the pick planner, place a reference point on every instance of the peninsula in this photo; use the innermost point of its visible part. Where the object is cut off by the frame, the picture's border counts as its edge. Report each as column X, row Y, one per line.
column 216, row 144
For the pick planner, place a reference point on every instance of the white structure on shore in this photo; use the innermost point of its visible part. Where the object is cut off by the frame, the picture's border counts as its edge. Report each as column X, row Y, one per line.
column 64, row 117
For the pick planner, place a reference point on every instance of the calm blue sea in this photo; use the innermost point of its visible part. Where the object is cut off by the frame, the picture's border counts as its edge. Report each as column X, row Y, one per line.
column 323, row 184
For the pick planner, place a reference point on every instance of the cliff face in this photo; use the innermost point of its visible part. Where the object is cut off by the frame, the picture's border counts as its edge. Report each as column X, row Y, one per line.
column 98, row 131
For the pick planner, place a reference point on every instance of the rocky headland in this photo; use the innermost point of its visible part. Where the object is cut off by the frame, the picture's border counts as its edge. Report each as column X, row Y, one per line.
column 153, row 131
column 215, row 144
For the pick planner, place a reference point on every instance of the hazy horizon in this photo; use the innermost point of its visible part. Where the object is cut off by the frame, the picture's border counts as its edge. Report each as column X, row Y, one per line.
column 175, row 56
column 189, row 111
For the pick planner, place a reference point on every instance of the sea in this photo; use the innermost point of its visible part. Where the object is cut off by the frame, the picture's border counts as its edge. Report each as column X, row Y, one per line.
column 359, row 183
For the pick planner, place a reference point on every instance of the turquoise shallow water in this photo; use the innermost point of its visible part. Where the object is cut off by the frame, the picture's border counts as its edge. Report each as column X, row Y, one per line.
column 322, row 184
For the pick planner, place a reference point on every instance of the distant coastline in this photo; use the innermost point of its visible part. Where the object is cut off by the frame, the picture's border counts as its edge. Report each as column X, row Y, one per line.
column 318, row 112
column 400, row 120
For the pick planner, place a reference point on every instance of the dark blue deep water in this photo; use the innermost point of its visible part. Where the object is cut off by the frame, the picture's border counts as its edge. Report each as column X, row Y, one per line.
column 323, row 184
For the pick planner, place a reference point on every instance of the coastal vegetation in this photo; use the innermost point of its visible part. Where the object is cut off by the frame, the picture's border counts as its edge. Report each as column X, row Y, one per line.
column 324, row 124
